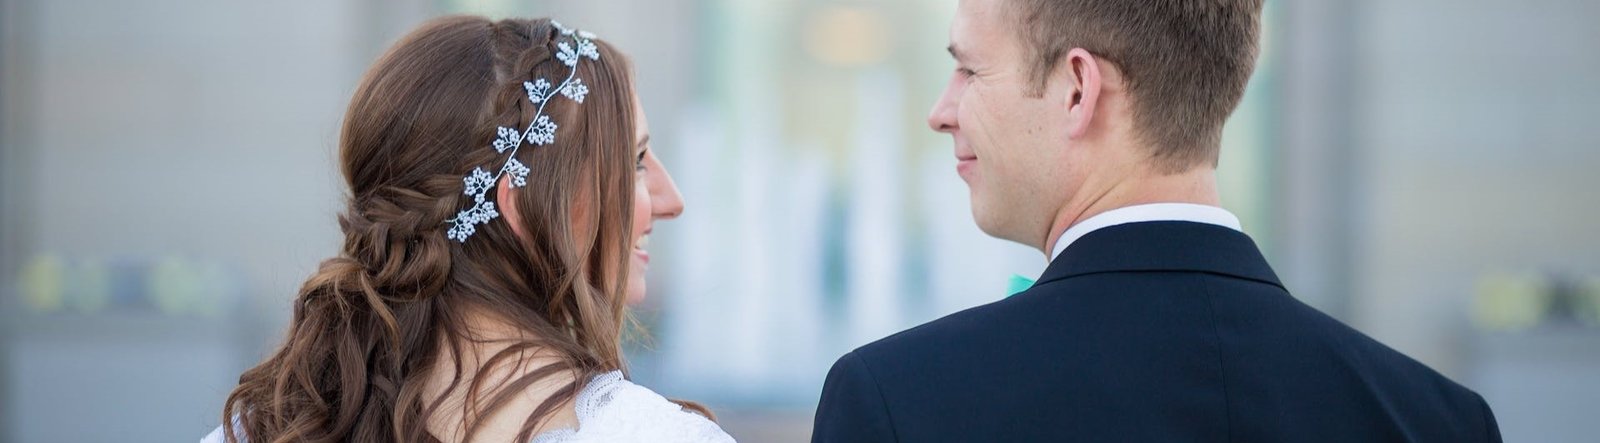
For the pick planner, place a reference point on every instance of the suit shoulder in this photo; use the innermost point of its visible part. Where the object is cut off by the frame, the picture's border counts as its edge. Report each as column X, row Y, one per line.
column 1415, row 372
column 1432, row 396
column 940, row 335
column 1382, row 364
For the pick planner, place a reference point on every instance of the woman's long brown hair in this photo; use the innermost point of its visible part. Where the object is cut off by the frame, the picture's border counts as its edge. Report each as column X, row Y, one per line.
column 369, row 324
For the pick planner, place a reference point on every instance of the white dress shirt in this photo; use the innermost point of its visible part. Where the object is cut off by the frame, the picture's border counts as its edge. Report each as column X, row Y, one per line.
column 1187, row 212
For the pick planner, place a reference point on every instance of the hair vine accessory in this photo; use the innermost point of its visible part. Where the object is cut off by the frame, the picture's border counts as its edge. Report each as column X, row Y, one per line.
column 541, row 131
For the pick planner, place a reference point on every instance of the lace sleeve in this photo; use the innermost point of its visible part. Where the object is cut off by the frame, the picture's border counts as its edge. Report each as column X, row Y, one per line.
column 612, row 409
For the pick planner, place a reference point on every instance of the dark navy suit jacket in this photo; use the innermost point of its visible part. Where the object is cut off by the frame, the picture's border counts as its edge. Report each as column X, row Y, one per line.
column 1145, row 332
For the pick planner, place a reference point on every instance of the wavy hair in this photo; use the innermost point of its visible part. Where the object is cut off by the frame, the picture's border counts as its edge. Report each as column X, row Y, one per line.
column 370, row 325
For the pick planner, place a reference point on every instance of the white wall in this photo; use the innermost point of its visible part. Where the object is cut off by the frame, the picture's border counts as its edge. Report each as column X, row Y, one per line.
column 153, row 131
column 1475, row 152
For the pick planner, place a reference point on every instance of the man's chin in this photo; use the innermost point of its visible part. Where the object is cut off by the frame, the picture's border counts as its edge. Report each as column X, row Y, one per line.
column 984, row 218
column 990, row 230
column 992, row 221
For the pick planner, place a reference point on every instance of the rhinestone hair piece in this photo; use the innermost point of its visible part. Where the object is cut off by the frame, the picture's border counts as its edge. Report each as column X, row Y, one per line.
column 541, row 131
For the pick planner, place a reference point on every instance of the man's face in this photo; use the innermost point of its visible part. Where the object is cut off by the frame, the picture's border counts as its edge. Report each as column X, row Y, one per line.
column 1010, row 146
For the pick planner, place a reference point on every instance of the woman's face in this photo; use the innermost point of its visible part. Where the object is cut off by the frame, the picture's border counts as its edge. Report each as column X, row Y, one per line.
column 655, row 197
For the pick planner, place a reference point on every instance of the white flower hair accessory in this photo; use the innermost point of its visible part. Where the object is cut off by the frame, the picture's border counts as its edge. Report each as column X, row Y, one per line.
column 541, row 131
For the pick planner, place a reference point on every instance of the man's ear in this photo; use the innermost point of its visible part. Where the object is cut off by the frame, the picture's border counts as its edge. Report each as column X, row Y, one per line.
column 1082, row 72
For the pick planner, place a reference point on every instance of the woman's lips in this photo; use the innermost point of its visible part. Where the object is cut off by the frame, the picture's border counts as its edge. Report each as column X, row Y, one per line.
column 639, row 248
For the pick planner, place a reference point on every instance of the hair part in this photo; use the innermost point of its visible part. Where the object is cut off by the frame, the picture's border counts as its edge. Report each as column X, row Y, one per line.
column 1186, row 63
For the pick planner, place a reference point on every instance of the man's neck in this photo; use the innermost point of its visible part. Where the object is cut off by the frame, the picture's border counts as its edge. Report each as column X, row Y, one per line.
column 1197, row 186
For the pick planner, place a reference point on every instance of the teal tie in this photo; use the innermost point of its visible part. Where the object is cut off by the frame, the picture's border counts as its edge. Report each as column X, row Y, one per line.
column 1018, row 284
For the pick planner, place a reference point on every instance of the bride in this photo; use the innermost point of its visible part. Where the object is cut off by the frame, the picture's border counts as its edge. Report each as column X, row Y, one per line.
column 502, row 191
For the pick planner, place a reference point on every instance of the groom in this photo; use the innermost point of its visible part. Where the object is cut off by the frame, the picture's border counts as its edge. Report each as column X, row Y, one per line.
column 1090, row 129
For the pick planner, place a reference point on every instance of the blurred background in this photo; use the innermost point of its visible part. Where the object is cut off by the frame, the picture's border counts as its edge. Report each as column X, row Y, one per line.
column 1424, row 170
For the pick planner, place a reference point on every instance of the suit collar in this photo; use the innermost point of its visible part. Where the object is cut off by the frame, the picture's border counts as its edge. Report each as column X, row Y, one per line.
column 1145, row 213
column 1162, row 246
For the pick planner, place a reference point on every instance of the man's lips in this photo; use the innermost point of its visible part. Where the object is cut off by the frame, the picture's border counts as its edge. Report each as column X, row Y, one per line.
column 964, row 153
column 965, row 164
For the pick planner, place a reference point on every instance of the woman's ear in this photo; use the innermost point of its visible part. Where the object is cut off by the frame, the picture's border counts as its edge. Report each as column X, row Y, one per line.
column 505, row 202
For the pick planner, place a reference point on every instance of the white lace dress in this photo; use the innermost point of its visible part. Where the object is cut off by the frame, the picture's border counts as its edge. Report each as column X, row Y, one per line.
column 613, row 409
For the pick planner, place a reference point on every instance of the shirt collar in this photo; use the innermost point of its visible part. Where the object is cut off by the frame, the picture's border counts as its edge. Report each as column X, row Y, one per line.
column 1187, row 212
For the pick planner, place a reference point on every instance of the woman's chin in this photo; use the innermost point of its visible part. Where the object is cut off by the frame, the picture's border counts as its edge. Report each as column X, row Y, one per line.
column 639, row 265
column 636, row 290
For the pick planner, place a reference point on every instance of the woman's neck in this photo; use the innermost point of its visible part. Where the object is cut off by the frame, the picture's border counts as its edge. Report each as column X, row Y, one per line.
column 487, row 337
